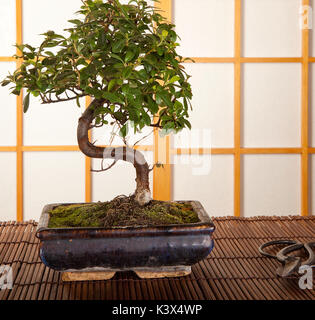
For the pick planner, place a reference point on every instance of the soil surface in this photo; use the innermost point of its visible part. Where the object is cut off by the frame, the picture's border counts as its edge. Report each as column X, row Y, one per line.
column 121, row 212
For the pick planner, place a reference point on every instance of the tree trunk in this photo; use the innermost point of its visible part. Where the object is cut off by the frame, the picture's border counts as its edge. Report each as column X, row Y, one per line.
column 142, row 193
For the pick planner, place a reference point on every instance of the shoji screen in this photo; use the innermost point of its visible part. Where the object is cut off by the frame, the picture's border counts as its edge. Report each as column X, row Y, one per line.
column 251, row 91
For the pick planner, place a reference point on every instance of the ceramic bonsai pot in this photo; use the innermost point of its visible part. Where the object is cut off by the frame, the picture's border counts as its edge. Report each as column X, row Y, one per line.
column 167, row 248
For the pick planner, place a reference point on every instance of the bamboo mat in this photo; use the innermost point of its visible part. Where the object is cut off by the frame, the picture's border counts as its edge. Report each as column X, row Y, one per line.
column 234, row 270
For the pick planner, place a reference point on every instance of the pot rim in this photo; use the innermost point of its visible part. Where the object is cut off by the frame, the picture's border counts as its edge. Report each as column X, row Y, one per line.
column 205, row 225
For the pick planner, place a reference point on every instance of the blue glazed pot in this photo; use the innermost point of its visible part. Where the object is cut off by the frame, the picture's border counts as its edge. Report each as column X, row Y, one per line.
column 124, row 248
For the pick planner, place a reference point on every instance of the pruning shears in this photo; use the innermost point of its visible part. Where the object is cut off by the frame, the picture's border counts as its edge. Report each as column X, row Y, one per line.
column 290, row 264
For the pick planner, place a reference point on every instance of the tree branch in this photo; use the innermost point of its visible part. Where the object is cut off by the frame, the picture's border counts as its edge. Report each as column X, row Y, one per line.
column 143, row 138
column 50, row 100
column 102, row 166
column 133, row 156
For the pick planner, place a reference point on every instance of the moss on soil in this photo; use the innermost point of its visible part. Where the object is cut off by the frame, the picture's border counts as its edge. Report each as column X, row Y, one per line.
column 120, row 212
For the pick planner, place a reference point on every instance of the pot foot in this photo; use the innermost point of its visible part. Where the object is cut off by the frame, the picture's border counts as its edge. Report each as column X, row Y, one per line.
column 163, row 272
column 143, row 273
column 87, row 276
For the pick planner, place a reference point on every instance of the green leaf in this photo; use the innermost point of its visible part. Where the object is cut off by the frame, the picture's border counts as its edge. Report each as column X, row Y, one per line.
column 75, row 21
column 16, row 91
column 49, row 33
column 163, row 95
column 49, row 61
column 154, row 108
column 159, row 165
column 115, row 56
column 78, row 102
column 160, row 51
column 118, row 46
column 129, row 55
column 49, row 53
column 97, row 93
column 20, row 47
column 101, row 41
column 112, row 97
column 185, row 104
column 81, row 46
column 63, row 75
column 146, row 118
column 174, row 79
column 82, row 61
column 143, row 74
column 127, row 73
column 173, row 35
column 158, row 98
column 111, row 84
column 178, row 105
column 26, row 103
column 164, row 33
column 187, row 123
column 123, row 131
column 35, row 93
column 5, row 83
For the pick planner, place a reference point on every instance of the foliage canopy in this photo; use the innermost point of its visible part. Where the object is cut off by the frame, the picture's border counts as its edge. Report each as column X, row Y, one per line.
column 122, row 55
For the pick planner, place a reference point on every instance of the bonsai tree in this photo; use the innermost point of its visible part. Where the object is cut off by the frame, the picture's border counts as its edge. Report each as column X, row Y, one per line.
column 124, row 57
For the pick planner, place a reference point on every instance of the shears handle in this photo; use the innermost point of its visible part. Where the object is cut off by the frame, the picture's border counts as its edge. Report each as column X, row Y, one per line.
column 273, row 243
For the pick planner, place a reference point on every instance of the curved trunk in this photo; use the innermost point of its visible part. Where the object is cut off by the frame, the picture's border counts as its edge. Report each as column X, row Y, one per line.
column 142, row 193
